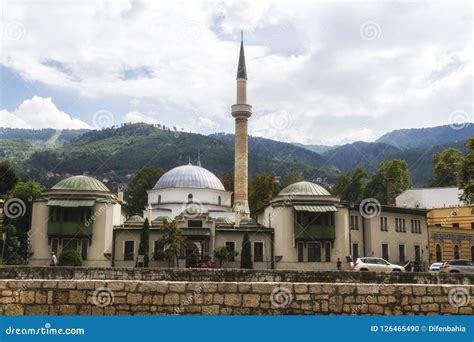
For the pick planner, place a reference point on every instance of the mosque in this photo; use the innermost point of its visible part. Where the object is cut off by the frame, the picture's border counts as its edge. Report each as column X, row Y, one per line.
column 303, row 227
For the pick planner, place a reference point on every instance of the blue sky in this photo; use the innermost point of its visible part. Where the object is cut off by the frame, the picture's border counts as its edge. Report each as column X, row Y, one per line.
column 323, row 73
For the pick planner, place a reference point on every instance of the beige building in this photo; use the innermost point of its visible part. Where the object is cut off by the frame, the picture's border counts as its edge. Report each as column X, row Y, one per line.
column 313, row 229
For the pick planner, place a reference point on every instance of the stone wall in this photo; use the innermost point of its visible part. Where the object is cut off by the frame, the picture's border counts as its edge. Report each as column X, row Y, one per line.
column 229, row 275
column 129, row 297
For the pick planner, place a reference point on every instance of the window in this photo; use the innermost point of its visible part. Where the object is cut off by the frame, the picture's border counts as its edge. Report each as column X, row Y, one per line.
column 327, row 252
column 439, row 254
column 385, row 251
column 128, row 250
column 258, row 251
column 194, row 223
column 55, row 246
column 401, row 253
column 156, row 246
column 355, row 251
column 400, row 225
column 472, row 225
column 383, row 224
column 300, row 251
column 84, row 245
column 314, row 252
column 230, row 245
column 159, row 199
column 456, row 252
column 219, row 200
column 190, row 197
column 70, row 244
column 416, row 226
column 472, row 253
column 417, row 253
column 455, row 225
column 354, row 222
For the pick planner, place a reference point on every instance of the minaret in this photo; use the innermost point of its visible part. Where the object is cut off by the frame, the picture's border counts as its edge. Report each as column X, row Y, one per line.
column 241, row 111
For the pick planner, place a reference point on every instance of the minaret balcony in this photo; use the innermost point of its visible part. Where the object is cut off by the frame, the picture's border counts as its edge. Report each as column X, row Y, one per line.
column 241, row 110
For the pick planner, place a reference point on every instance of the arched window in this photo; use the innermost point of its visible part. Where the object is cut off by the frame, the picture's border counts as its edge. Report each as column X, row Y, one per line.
column 439, row 255
column 159, row 198
column 219, row 200
column 456, row 252
column 190, row 197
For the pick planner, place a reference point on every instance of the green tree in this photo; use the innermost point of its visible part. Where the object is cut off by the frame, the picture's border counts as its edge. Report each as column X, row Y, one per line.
column 291, row 178
column 246, row 258
column 446, row 167
column 228, row 181
column 392, row 178
column 11, row 253
column 144, row 246
column 144, row 180
column 261, row 190
column 466, row 174
column 18, row 211
column 70, row 257
column 224, row 254
column 169, row 245
column 8, row 177
column 351, row 187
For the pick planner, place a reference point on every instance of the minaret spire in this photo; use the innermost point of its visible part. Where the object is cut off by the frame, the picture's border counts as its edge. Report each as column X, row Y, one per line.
column 241, row 111
column 241, row 69
column 199, row 159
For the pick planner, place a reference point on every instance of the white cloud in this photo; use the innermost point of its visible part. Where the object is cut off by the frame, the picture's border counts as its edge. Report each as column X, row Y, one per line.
column 39, row 113
column 135, row 116
column 305, row 58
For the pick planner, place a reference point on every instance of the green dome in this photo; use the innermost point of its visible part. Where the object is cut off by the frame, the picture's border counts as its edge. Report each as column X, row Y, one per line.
column 224, row 220
column 162, row 220
column 82, row 183
column 135, row 219
column 304, row 189
column 248, row 221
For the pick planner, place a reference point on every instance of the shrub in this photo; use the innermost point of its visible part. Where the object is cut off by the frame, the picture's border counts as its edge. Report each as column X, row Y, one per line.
column 70, row 258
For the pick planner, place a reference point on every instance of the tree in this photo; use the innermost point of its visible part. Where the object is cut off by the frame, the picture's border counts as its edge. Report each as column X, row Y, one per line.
column 446, row 167
column 246, row 259
column 144, row 180
column 392, row 178
column 351, row 187
column 169, row 245
column 144, row 246
column 228, row 181
column 18, row 211
column 291, row 178
column 224, row 254
column 70, row 257
column 261, row 190
column 11, row 251
column 8, row 176
column 466, row 174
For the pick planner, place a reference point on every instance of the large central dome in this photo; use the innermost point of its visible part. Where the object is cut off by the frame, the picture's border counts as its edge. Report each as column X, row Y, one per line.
column 189, row 176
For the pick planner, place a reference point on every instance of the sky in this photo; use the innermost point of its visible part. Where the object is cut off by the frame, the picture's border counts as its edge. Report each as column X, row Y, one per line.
column 318, row 72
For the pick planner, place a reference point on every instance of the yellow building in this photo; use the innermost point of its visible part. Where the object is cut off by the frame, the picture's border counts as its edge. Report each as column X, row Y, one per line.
column 451, row 233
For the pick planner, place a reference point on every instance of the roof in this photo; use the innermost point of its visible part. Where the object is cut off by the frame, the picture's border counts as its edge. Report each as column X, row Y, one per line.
column 315, row 208
column 71, row 203
column 189, row 176
column 81, row 183
column 241, row 69
column 135, row 219
column 304, row 189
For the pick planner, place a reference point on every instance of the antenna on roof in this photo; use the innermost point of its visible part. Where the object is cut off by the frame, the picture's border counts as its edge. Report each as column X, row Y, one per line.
column 189, row 161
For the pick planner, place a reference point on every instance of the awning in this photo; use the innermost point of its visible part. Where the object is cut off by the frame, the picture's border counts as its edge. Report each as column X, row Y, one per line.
column 71, row 203
column 315, row 208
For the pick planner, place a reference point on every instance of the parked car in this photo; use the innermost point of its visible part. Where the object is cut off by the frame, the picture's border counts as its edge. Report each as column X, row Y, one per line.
column 375, row 265
column 458, row 266
column 435, row 267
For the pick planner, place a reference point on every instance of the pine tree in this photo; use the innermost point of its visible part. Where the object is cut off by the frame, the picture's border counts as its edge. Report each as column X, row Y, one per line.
column 246, row 259
column 145, row 243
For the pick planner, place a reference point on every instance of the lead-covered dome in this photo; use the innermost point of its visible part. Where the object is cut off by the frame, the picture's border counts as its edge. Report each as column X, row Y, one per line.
column 304, row 189
column 81, row 183
column 189, row 176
